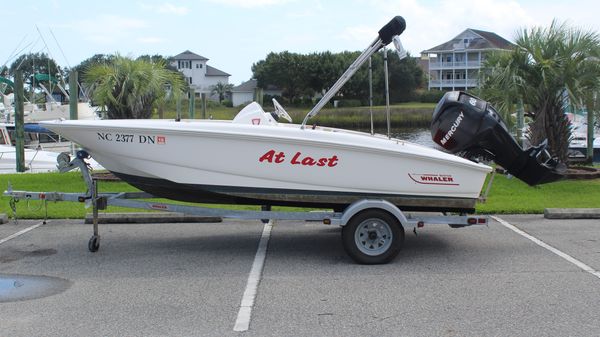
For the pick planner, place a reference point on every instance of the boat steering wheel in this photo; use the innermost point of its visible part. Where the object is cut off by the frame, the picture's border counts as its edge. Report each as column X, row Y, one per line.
column 280, row 111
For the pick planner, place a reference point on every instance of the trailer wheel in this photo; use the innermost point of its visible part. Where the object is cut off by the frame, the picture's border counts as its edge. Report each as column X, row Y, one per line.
column 373, row 237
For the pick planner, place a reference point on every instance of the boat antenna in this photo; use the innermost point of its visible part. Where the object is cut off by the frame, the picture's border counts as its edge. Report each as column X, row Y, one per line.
column 371, row 94
column 387, row 92
column 395, row 27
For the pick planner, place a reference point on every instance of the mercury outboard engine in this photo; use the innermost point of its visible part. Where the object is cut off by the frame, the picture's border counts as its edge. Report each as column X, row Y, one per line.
column 470, row 126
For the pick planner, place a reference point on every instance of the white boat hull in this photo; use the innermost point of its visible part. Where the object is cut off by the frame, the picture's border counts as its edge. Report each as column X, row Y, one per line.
column 221, row 161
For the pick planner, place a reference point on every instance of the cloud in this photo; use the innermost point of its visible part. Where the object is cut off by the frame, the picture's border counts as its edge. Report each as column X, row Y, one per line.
column 150, row 39
column 114, row 28
column 251, row 3
column 359, row 33
column 166, row 8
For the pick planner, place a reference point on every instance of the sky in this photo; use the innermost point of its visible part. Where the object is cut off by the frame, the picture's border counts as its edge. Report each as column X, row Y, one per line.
column 234, row 34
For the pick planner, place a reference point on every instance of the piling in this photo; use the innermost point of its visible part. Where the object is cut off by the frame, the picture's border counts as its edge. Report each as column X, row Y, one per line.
column 19, row 121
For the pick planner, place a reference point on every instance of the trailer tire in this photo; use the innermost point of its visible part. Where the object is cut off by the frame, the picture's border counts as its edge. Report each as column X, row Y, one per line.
column 373, row 236
column 94, row 243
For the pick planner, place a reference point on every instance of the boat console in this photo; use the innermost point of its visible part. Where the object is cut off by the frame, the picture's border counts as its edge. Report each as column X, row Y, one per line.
column 470, row 127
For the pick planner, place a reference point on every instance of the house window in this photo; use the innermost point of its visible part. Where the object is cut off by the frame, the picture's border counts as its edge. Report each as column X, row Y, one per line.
column 449, row 58
column 190, row 79
column 448, row 76
column 199, row 65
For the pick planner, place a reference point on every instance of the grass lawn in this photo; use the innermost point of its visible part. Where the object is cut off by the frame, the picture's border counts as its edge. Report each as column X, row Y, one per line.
column 506, row 195
column 512, row 196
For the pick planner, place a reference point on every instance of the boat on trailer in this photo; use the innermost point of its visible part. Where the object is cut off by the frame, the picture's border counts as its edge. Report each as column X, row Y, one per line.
column 369, row 180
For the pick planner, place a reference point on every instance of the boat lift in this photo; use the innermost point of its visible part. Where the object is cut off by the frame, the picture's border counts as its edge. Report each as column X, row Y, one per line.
column 372, row 229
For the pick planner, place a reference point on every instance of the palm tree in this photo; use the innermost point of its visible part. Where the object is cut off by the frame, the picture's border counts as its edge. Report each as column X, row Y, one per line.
column 221, row 89
column 548, row 69
column 131, row 88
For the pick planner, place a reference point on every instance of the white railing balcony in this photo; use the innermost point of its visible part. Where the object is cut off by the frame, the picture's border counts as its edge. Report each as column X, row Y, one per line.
column 453, row 83
column 455, row 65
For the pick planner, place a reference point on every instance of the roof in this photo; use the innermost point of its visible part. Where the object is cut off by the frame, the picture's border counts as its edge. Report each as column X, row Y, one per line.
column 212, row 71
column 247, row 86
column 479, row 39
column 188, row 55
column 250, row 85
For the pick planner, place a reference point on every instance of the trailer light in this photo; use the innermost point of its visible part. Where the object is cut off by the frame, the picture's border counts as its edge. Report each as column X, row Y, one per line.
column 420, row 224
column 482, row 220
column 471, row 221
column 327, row 221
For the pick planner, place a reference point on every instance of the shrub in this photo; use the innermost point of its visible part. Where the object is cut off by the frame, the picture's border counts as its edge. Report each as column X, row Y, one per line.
column 431, row 96
column 348, row 103
column 227, row 103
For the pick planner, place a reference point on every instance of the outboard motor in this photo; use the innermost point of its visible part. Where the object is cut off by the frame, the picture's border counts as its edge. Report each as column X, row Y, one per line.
column 465, row 124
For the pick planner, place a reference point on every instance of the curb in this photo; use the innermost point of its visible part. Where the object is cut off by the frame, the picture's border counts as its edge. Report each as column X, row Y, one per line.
column 572, row 213
column 159, row 217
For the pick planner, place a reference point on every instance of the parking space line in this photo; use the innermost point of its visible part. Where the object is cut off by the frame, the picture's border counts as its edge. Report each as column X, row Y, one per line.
column 541, row 243
column 22, row 232
column 242, row 322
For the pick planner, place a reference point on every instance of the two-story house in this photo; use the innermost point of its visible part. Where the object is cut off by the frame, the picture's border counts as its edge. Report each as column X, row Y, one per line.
column 199, row 75
column 456, row 64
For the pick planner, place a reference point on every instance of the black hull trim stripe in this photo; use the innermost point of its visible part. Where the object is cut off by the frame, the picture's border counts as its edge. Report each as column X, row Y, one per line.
column 217, row 194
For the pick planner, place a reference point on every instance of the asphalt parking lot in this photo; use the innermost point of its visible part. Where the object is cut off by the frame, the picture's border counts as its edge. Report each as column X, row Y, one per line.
column 189, row 279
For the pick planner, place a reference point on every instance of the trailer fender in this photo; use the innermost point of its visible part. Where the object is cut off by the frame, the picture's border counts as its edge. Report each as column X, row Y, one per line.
column 361, row 205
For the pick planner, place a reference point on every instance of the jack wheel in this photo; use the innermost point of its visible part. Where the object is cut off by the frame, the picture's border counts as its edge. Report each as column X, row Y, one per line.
column 94, row 244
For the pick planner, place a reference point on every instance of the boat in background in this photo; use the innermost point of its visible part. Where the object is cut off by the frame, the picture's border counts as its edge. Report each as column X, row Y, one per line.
column 579, row 138
column 36, row 161
column 52, row 109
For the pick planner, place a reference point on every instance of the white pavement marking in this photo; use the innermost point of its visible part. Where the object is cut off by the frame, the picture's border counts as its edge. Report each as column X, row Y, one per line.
column 243, row 318
column 21, row 232
column 541, row 243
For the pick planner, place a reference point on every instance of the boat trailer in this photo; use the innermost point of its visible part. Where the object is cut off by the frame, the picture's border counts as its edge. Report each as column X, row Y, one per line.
column 372, row 229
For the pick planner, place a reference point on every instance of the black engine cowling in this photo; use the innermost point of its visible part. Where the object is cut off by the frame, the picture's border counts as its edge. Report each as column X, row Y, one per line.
column 468, row 125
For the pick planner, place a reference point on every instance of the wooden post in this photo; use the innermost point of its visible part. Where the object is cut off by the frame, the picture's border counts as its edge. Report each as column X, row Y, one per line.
column 19, row 122
column 591, row 109
column 178, row 107
column 192, row 105
column 203, row 95
column 73, row 95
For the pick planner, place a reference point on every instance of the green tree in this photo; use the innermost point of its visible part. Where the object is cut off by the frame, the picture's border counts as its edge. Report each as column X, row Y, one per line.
column 221, row 89
column 304, row 75
column 549, row 69
column 131, row 88
column 285, row 70
column 35, row 63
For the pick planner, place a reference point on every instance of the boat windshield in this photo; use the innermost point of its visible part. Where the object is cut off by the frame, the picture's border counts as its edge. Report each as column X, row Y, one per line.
column 254, row 114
